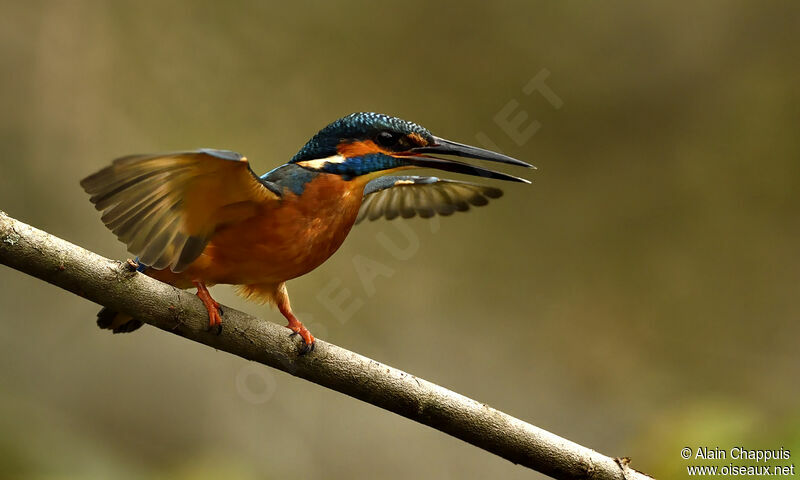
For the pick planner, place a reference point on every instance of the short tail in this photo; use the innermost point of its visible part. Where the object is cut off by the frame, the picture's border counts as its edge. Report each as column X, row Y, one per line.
column 116, row 322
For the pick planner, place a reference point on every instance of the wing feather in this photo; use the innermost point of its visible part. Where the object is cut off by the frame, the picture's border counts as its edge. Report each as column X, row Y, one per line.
column 166, row 207
column 408, row 202
column 408, row 196
column 378, row 207
column 425, row 202
column 392, row 209
column 442, row 203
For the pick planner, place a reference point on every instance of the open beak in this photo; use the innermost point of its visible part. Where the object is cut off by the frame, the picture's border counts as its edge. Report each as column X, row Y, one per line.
column 418, row 157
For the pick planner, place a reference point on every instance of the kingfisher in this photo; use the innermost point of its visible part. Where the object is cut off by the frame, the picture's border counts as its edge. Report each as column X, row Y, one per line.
column 203, row 217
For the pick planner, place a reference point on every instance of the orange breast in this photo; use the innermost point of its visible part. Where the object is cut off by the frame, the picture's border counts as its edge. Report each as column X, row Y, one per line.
column 280, row 242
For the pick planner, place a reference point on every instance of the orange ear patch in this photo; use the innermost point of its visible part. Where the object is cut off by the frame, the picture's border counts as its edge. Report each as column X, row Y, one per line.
column 360, row 148
column 418, row 139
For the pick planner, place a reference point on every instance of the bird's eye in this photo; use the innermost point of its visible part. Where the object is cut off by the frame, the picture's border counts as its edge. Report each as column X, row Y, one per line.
column 388, row 139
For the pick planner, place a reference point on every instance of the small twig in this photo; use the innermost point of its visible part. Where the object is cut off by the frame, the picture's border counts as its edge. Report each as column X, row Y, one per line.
column 112, row 284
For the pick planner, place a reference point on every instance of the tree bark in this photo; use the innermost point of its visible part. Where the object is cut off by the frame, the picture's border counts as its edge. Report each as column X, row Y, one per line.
column 115, row 285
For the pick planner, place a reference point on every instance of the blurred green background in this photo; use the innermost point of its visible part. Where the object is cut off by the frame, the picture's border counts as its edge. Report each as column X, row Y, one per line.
column 639, row 297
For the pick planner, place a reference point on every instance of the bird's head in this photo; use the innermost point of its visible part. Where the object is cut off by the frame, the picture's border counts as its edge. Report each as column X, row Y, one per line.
column 366, row 144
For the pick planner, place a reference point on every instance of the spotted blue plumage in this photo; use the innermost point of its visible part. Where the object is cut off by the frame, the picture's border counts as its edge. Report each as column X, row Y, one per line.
column 356, row 126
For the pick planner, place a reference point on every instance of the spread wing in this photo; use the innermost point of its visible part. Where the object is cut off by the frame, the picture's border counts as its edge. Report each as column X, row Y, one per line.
column 165, row 207
column 407, row 196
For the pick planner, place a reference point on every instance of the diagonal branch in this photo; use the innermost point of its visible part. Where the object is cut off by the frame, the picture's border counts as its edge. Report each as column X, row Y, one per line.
column 114, row 285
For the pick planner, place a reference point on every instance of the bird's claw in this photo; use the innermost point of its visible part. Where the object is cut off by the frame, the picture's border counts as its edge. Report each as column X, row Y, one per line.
column 215, row 320
column 309, row 343
column 306, row 348
column 213, row 308
column 217, row 330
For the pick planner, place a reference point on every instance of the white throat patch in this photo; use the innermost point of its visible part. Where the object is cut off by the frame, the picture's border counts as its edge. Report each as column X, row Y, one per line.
column 319, row 163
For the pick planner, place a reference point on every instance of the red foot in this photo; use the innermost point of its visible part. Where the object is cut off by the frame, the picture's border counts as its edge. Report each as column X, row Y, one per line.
column 214, row 317
column 297, row 327
column 282, row 299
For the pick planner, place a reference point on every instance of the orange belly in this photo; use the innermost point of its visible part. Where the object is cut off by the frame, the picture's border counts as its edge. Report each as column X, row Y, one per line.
column 282, row 241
